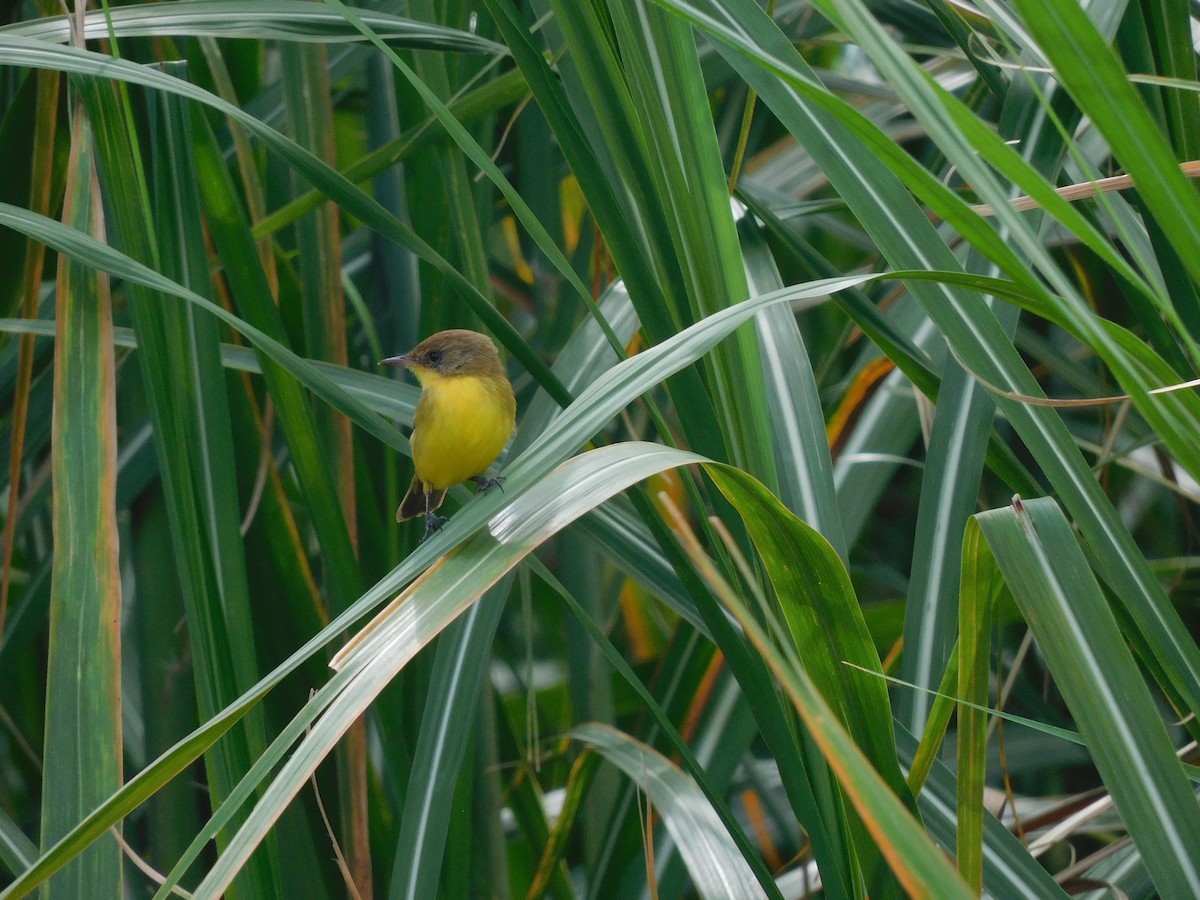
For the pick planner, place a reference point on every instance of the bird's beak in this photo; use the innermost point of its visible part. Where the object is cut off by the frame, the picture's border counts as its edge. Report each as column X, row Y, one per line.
column 405, row 360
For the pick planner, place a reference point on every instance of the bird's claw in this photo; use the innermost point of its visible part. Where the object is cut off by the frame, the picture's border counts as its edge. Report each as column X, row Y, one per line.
column 482, row 485
column 432, row 523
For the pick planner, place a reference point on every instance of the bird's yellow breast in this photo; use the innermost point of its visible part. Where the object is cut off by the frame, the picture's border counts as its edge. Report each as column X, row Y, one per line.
column 461, row 424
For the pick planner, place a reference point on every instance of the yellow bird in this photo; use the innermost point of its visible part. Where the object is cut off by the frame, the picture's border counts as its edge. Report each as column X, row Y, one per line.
column 464, row 418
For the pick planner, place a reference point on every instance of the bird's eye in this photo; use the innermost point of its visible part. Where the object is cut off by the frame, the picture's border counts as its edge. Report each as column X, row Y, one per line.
column 435, row 356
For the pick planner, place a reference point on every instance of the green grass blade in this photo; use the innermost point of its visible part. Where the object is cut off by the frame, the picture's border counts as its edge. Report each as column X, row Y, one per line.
column 823, row 616
column 1050, row 579
column 281, row 20
column 916, row 863
column 826, row 627
column 459, row 669
column 1008, row 869
column 661, row 68
column 441, row 594
column 977, row 598
column 796, row 419
column 713, row 861
column 83, row 695
column 1089, row 70
column 17, row 851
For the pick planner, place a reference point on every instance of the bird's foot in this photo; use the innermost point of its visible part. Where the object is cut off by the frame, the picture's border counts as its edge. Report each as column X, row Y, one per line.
column 482, row 485
column 432, row 523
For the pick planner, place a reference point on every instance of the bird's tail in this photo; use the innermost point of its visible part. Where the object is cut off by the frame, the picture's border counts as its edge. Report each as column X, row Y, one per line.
column 414, row 503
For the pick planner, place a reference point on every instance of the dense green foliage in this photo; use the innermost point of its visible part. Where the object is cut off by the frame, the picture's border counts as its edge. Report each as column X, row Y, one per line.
column 797, row 584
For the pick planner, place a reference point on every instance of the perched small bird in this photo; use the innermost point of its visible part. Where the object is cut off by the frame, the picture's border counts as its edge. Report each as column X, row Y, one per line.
column 463, row 420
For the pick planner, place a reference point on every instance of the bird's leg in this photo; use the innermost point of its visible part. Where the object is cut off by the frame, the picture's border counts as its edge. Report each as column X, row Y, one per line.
column 432, row 521
column 483, row 483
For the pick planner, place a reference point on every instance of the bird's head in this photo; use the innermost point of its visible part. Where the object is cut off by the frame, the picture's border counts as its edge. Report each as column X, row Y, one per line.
column 449, row 354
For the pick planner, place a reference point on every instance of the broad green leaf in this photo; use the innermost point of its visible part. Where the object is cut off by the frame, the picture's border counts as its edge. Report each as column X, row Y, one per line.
column 827, row 632
column 823, row 615
column 917, row 864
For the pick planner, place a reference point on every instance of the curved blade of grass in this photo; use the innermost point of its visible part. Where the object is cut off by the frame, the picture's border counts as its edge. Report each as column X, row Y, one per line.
column 917, row 863
column 827, row 631
column 1077, row 633
column 823, row 616
column 949, row 491
column 895, row 344
column 373, row 657
column 17, row 851
column 690, row 763
column 797, row 422
column 279, row 20
column 716, row 867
